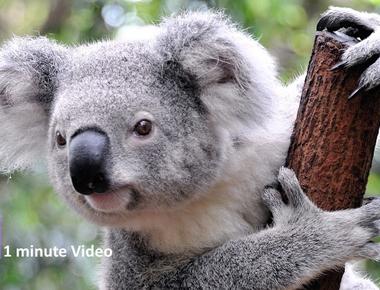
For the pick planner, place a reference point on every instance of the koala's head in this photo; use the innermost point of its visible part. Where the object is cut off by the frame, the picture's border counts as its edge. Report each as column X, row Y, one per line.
column 129, row 127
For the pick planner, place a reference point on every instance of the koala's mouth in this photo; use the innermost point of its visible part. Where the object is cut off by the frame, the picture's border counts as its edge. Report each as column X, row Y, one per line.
column 121, row 199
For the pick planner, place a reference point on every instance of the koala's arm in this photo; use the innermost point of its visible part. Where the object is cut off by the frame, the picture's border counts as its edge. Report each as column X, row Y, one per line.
column 303, row 242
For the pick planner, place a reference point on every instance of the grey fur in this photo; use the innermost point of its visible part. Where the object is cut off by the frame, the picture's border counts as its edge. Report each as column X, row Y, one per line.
column 365, row 50
column 187, row 206
column 303, row 241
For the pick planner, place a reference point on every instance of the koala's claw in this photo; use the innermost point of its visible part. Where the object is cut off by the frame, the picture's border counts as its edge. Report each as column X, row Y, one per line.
column 356, row 92
column 365, row 26
column 339, row 65
column 356, row 23
column 333, row 24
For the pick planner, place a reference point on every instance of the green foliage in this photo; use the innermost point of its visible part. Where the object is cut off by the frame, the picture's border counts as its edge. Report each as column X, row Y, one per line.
column 32, row 213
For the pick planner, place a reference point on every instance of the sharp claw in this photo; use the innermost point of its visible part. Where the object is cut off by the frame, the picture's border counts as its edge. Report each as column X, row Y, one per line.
column 353, row 25
column 322, row 23
column 359, row 90
column 339, row 65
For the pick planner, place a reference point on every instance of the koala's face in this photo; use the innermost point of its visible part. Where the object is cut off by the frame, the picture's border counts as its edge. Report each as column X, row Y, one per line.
column 137, row 126
column 128, row 133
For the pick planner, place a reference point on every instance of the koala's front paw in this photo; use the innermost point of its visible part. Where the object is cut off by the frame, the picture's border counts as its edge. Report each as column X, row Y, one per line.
column 343, row 235
column 297, row 205
column 366, row 27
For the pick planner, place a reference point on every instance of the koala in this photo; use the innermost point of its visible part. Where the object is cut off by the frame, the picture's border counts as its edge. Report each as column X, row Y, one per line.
column 169, row 141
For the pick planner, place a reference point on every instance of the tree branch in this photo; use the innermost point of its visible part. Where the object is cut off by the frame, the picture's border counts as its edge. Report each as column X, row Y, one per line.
column 334, row 138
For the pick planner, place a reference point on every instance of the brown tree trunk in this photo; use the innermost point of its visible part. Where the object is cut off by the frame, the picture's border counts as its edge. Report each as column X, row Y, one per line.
column 334, row 138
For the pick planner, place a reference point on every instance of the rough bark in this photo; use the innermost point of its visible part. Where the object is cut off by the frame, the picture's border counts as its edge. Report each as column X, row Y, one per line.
column 334, row 137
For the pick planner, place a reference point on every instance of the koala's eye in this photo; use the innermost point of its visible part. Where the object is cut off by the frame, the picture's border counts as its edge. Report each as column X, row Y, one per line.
column 143, row 127
column 61, row 141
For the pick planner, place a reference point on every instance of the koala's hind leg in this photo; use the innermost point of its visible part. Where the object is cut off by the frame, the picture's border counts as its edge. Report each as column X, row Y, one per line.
column 353, row 280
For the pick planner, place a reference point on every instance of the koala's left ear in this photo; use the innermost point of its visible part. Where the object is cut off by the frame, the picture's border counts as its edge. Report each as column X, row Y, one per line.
column 28, row 80
column 236, row 75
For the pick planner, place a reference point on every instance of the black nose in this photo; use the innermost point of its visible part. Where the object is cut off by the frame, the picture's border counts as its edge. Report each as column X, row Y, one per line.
column 87, row 161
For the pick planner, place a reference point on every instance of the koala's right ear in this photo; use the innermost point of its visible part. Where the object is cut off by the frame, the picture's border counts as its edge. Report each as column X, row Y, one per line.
column 235, row 74
column 28, row 80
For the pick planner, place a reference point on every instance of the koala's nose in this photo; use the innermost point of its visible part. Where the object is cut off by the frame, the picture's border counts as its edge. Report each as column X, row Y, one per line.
column 87, row 162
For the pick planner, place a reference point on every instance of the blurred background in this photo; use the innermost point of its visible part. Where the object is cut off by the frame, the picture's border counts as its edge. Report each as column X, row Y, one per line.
column 32, row 213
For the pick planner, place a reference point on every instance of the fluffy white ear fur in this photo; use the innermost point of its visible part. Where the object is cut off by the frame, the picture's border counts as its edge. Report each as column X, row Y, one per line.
column 236, row 74
column 28, row 78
